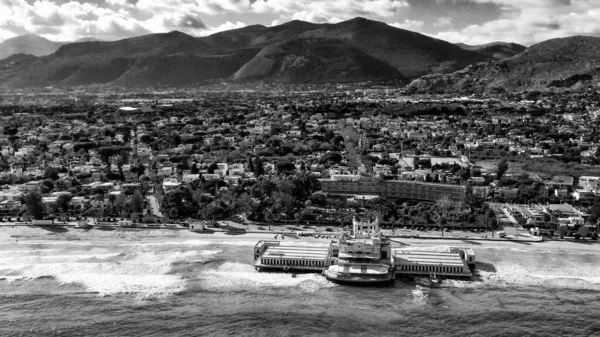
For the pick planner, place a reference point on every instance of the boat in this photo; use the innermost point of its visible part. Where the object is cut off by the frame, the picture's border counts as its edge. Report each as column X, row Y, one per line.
column 361, row 257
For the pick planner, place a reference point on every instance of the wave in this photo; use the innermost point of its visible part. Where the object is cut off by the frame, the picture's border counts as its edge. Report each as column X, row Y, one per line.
column 506, row 274
column 240, row 276
column 46, row 259
column 565, row 277
column 143, row 273
column 420, row 295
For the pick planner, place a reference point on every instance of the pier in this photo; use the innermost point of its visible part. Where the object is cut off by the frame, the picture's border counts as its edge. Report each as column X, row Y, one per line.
column 424, row 263
column 271, row 255
column 453, row 263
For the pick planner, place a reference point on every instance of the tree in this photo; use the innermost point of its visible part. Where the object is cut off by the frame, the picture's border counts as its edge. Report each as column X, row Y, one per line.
column 137, row 201
column 583, row 231
column 595, row 211
column 259, row 167
column 212, row 167
column 173, row 212
column 33, row 203
column 250, row 164
column 112, row 198
column 502, row 168
column 285, row 167
column 244, row 203
column 269, row 217
column 63, row 201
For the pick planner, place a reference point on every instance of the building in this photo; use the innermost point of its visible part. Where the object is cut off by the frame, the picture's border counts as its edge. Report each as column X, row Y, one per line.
column 589, row 182
column 584, row 196
column 353, row 185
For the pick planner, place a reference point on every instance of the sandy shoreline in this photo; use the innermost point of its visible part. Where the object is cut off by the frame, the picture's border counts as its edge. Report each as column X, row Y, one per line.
column 30, row 235
column 158, row 261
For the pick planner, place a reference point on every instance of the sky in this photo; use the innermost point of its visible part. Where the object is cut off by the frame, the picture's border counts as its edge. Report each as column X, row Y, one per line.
column 468, row 21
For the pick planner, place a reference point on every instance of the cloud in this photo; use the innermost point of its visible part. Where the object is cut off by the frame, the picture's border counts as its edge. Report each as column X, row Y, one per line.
column 223, row 27
column 342, row 9
column 413, row 25
column 191, row 21
column 469, row 21
column 532, row 21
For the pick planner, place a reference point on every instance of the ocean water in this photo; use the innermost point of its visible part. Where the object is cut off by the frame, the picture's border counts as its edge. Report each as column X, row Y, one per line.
column 195, row 288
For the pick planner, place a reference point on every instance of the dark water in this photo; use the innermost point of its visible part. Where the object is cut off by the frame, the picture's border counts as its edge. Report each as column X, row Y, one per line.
column 212, row 290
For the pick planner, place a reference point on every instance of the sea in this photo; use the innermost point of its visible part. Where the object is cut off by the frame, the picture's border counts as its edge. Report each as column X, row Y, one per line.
column 203, row 288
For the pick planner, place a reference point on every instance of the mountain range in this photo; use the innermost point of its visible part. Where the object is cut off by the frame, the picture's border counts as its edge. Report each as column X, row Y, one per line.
column 300, row 52
column 294, row 52
column 33, row 45
column 555, row 63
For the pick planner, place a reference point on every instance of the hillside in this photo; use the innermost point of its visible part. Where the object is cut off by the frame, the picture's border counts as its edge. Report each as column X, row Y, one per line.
column 497, row 50
column 297, row 51
column 162, row 55
column 315, row 60
column 412, row 54
column 28, row 44
column 563, row 62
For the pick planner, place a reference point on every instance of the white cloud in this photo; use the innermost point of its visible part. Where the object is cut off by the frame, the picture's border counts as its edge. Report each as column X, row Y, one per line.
column 534, row 21
column 342, row 9
column 522, row 21
column 413, row 25
column 225, row 26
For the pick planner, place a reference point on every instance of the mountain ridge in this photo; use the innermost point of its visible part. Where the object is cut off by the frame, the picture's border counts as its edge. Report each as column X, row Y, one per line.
column 296, row 51
column 560, row 62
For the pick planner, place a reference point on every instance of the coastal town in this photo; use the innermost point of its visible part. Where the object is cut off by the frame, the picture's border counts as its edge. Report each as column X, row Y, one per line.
column 300, row 168
column 305, row 159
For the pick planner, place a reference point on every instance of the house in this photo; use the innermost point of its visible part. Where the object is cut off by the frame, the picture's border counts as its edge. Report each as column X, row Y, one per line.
column 506, row 192
column 584, row 196
column 589, row 182
column 170, row 184
column 31, row 186
column 188, row 178
column 167, row 171
column 532, row 216
column 561, row 193
column 560, row 182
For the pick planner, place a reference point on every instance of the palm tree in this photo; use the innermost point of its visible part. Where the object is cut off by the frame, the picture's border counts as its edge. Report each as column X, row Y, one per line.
column 269, row 217
column 112, row 198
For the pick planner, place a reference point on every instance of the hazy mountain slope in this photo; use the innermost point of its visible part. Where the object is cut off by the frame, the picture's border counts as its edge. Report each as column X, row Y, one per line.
column 184, row 69
column 104, row 62
column 497, row 50
column 412, row 54
column 557, row 62
column 28, row 44
column 314, row 60
column 296, row 51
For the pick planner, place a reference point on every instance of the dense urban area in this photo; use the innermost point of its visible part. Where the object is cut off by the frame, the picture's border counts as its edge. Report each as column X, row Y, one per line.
column 304, row 159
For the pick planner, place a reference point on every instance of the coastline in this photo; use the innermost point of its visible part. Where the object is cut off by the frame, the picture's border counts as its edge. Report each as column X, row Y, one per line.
column 115, row 235
column 32, row 252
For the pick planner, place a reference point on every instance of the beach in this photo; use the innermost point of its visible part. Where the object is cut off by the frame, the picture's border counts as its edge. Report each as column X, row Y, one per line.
column 130, row 281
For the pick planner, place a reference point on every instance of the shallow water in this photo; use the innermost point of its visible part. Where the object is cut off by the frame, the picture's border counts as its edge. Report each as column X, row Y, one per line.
column 203, row 289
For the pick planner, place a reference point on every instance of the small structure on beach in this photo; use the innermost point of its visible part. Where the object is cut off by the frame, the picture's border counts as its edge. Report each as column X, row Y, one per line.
column 196, row 226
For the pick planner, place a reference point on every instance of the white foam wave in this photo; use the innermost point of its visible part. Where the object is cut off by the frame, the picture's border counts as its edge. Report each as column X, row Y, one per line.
column 140, row 273
column 10, row 278
column 419, row 296
column 46, row 259
column 210, row 252
column 581, row 276
column 234, row 275
column 28, row 251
